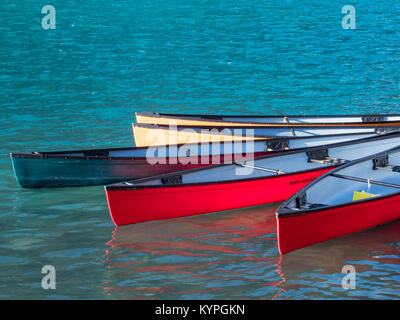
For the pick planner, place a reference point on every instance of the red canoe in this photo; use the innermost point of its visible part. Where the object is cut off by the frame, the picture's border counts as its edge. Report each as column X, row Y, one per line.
column 225, row 187
column 357, row 196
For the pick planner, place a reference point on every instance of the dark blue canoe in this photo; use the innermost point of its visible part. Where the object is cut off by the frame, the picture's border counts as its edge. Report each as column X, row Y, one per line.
column 106, row 166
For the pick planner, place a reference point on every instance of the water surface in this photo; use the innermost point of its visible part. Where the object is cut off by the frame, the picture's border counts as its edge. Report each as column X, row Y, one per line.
column 78, row 86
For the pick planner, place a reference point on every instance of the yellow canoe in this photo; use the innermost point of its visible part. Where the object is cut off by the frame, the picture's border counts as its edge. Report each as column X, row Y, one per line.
column 151, row 135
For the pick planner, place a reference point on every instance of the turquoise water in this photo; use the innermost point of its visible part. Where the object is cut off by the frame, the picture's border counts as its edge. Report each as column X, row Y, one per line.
column 77, row 87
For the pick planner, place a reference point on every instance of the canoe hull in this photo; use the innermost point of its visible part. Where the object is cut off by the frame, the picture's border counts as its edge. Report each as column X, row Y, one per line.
column 77, row 172
column 135, row 205
column 296, row 232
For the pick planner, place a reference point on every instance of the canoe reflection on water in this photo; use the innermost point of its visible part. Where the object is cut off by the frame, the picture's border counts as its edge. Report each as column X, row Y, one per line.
column 316, row 271
column 235, row 255
column 207, row 256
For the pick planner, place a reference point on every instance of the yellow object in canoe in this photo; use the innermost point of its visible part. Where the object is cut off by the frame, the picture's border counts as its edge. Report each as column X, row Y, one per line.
column 359, row 195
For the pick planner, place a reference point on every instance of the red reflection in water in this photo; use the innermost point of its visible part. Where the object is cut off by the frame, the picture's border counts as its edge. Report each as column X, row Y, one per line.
column 367, row 251
column 222, row 235
column 232, row 237
column 186, row 236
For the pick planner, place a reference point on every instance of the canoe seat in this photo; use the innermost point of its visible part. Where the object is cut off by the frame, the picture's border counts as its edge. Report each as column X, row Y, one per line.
column 302, row 203
column 322, row 156
column 382, row 163
column 176, row 179
column 277, row 144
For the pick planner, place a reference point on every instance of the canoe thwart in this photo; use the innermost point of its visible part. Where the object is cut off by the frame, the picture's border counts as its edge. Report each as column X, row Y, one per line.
column 260, row 168
column 384, row 184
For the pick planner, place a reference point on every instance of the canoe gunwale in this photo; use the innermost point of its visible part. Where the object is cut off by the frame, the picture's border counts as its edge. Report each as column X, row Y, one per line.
column 123, row 187
column 285, row 212
column 367, row 125
column 258, row 137
column 58, row 154
column 172, row 115
column 218, row 120
column 45, row 156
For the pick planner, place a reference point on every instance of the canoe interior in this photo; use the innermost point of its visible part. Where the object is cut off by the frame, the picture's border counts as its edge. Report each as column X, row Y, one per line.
column 277, row 119
column 288, row 163
column 152, row 135
column 339, row 187
column 153, row 132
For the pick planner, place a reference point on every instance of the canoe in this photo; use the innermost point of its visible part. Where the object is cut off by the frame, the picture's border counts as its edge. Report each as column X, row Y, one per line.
column 150, row 135
column 230, row 186
column 105, row 166
column 357, row 196
column 269, row 121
